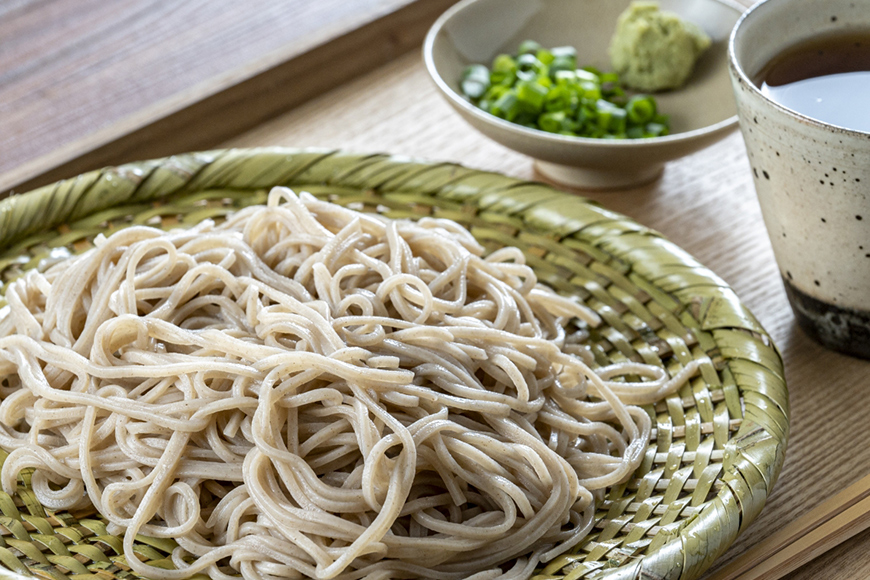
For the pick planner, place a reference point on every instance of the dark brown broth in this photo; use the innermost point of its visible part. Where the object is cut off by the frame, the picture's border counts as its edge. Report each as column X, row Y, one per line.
column 826, row 78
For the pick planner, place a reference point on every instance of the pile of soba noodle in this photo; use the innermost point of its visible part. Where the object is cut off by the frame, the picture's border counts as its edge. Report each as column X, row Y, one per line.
column 305, row 391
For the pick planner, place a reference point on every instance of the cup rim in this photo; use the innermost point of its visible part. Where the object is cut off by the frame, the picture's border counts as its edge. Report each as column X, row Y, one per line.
column 555, row 138
column 738, row 69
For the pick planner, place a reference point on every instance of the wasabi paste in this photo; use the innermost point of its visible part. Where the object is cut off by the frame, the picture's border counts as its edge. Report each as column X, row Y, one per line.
column 654, row 50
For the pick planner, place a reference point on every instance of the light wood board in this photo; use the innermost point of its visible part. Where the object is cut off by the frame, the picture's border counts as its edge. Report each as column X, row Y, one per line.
column 88, row 83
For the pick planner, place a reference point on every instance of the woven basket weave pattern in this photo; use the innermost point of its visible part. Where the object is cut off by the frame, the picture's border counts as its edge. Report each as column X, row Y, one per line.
column 718, row 444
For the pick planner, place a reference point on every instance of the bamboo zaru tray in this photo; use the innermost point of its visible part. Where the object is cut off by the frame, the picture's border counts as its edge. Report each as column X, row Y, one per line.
column 717, row 446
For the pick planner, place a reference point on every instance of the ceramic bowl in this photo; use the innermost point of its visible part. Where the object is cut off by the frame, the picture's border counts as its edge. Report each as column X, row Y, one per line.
column 702, row 112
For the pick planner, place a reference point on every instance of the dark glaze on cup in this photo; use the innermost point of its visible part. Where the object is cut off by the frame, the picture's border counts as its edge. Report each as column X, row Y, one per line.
column 842, row 329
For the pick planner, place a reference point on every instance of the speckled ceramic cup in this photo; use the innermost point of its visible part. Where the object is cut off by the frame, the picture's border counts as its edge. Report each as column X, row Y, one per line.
column 812, row 179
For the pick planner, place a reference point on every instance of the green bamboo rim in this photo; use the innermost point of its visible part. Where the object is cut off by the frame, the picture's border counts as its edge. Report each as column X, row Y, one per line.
column 718, row 444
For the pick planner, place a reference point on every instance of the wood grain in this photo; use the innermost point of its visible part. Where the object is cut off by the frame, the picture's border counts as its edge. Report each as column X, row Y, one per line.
column 705, row 203
column 91, row 83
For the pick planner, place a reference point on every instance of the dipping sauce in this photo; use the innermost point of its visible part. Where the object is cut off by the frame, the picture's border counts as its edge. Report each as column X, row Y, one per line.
column 826, row 78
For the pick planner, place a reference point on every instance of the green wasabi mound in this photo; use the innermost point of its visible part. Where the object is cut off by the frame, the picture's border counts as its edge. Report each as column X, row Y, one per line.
column 653, row 50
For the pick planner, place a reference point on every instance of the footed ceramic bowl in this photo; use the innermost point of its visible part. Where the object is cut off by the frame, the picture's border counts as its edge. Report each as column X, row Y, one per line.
column 702, row 112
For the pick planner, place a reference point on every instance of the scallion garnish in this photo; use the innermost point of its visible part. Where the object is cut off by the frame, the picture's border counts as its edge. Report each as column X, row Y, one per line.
column 544, row 89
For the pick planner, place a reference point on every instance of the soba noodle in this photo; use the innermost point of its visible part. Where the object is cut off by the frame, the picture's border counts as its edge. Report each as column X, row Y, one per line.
column 304, row 391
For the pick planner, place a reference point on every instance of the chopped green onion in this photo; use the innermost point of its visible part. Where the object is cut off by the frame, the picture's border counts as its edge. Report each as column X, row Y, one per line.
column 532, row 95
column 545, row 56
column 477, row 71
column 475, row 81
column 526, row 75
column 530, row 63
column 562, row 63
column 505, row 78
column 529, row 47
column 544, row 89
column 526, row 118
column 556, row 122
column 507, row 106
column 474, row 89
column 655, row 130
column 618, row 122
column 565, row 51
column 495, row 92
column 561, row 98
column 504, row 63
column 587, row 75
column 641, row 109
column 566, row 77
column 604, row 113
column 591, row 91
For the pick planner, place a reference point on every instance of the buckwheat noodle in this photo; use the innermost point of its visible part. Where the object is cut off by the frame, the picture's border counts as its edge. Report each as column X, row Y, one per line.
column 304, row 391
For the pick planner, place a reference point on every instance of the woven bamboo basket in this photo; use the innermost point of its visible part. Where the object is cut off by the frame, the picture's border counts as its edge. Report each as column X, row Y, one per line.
column 717, row 446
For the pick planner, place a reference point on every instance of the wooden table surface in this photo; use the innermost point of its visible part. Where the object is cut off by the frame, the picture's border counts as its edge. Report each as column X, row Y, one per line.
column 87, row 83
column 705, row 203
